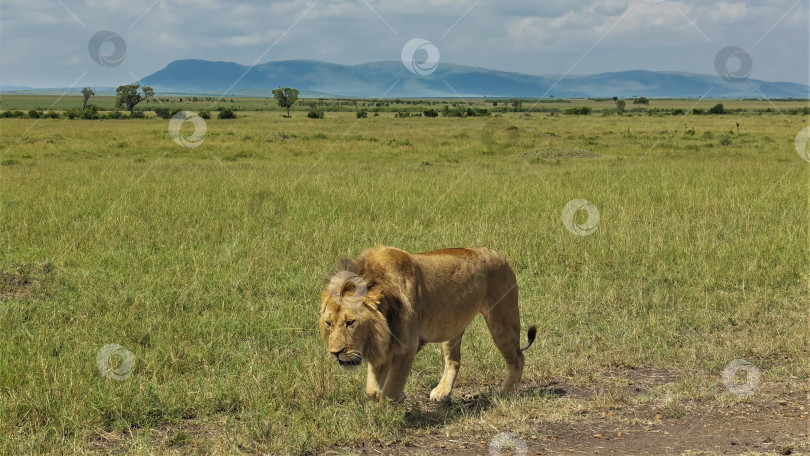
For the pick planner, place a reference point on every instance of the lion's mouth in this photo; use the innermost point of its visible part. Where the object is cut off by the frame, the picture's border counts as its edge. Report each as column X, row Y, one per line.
column 352, row 362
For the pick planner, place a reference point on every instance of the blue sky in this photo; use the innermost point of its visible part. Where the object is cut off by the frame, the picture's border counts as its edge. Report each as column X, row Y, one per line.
column 44, row 43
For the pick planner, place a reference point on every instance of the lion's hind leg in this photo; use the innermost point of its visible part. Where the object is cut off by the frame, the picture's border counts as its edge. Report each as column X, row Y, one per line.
column 451, row 352
column 505, row 330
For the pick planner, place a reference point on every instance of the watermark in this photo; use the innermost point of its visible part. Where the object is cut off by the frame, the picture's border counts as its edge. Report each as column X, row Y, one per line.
column 752, row 377
column 107, row 57
column 507, row 441
column 193, row 140
column 802, row 143
column 499, row 134
column 337, row 287
column 420, row 57
column 267, row 207
column 724, row 64
column 569, row 217
column 106, row 361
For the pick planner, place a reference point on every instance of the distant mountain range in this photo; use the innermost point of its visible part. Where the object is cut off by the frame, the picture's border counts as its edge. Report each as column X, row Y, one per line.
column 392, row 80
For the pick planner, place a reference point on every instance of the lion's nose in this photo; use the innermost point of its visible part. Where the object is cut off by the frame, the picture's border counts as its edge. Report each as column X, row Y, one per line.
column 337, row 353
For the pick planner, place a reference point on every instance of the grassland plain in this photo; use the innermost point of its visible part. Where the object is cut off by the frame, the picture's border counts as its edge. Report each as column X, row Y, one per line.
column 206, row 264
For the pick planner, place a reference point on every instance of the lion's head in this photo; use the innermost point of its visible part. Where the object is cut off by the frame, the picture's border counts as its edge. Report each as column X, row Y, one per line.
column 351, row 323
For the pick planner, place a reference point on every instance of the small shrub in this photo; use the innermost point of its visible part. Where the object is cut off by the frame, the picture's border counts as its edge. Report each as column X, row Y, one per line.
column 90, row 112
column 315, row 114
column 204, row 115
column 137, row 114
column 226, row 113
column 51, row 115
column 10, row 162
column 362, row 114
column 73, row 113
column 677, row 112
column 431, row 113
column 725, row 141
column 717, row 109
column 163, row 113
column 698, row 112
column 402, row 114
column 34, row 114
column 458, row 111
column 12, row 114
column 578, row 111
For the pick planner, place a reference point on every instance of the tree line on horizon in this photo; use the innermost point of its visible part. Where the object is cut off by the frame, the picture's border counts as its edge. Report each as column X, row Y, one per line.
column 128, row 96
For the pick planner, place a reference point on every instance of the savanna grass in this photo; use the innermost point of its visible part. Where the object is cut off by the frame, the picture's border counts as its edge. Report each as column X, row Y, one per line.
column 206, row 264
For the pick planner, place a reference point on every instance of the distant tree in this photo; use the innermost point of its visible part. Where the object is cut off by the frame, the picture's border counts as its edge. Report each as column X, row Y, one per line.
column 620, row 104
column 127, row 96
column 148, row 92
column 87, row 92
column 516, row 102
column 641, row 100
column 615, row 98
column 286, row 97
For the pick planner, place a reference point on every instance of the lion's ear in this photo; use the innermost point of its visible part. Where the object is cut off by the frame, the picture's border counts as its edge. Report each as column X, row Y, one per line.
column 347, row 288
column 374, row 294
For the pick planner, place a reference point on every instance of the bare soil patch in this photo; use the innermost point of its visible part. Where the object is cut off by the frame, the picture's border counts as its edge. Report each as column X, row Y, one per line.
column 775, row 423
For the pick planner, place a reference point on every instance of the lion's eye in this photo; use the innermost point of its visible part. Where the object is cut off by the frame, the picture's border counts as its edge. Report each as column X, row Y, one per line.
column 328, row 323
column 349, row 323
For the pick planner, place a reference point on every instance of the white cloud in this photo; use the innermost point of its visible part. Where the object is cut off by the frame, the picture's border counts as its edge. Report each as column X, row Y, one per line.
column 520, row 35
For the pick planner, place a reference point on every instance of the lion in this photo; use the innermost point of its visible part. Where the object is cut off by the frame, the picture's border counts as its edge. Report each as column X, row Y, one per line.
column 386, row 304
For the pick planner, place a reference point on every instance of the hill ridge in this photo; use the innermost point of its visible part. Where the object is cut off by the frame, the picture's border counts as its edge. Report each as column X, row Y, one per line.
column 392, row 79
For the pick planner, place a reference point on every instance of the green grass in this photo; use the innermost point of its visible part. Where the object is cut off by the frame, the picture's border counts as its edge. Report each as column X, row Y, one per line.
column 207, row 264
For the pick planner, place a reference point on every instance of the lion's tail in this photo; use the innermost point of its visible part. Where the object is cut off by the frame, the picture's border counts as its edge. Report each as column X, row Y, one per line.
column 532, row 335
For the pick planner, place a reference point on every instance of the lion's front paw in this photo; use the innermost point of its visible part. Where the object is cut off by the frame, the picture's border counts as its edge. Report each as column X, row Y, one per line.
column 391, row 400
column 373, row 394
column 439, row 394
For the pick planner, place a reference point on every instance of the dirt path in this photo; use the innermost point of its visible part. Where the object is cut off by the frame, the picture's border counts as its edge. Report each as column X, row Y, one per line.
column 776, row 424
